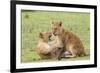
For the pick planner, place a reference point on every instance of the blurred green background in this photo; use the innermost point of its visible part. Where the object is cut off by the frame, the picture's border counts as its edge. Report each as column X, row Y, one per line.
column 34, row 22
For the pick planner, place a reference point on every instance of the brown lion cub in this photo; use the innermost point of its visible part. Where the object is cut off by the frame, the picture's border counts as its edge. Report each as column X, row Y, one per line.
column 46, row 48
column 71, row 42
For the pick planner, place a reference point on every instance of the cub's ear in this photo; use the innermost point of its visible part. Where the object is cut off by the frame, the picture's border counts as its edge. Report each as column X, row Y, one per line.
column 60, row 23
column 41, row 35
column 52, row 22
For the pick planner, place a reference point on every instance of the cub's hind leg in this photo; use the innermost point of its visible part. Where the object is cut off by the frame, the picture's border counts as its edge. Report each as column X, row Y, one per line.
column 71, row 53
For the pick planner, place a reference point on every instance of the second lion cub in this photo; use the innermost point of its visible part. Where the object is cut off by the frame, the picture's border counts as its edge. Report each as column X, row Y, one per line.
column 47, row 48
column 71, row 41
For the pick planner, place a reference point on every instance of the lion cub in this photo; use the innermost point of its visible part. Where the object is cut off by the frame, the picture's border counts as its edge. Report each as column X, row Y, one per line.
column 47, row 48
column 71, row 42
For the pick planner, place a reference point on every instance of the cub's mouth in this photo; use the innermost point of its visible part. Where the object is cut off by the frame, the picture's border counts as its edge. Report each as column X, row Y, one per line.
column 55, row 34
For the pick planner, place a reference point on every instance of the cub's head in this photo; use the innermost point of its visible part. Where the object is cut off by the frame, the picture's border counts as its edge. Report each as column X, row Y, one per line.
column 56, row 27
column 45, row 36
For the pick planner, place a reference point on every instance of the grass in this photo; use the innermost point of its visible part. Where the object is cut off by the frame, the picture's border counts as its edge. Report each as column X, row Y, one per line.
column 34, row 22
